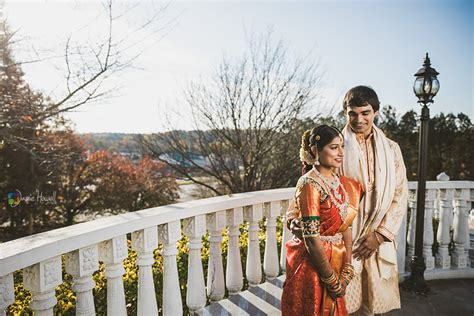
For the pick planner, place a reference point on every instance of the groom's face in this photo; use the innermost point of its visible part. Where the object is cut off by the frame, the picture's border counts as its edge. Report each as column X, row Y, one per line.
column 361, row 118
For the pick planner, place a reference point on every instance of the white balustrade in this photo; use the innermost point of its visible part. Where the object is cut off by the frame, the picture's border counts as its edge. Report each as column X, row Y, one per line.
column 194, row 228
column 271, row 267
column 428, row 235
column 42, row 279
column 215, row 270
column 253, row 268
column 144, row 242
column 169, row 234
column 81, row 264
column 112, row 252
column 234, row 275
column 446, row 197
column 83, row 245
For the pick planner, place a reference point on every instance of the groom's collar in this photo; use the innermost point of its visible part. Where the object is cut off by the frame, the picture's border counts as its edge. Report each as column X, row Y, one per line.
column 361, row 137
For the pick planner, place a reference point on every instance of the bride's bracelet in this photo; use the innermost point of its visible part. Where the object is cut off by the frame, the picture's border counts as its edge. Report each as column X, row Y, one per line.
column 330, row 279
column 332, row 283
column 347, row 273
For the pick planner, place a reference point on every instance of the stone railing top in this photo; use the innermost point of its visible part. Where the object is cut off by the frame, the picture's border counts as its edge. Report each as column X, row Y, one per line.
column 24, row 252
column 413, row 185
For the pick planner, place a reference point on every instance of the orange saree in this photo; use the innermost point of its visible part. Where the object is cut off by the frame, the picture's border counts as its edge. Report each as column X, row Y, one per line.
column 323, row 216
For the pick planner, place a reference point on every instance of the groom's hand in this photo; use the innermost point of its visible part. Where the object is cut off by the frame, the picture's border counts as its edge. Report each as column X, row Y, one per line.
column 368, row 245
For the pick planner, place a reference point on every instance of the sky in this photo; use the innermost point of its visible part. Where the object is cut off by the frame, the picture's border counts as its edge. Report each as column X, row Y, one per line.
column 376, row 43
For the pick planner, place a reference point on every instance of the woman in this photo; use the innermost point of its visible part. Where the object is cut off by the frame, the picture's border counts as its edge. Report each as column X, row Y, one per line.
column 318, row 265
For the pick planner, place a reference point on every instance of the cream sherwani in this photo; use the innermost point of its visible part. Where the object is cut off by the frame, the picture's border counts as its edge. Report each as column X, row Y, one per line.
column 377, row 163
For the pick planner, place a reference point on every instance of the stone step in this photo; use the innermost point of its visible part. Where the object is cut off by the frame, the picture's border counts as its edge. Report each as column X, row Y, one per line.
column 263, row 299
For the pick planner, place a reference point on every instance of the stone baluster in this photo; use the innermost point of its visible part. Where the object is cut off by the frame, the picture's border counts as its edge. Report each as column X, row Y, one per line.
column 271, row 265
column 112, row 252
column 286, row 234
column 445, row 198
column 194, row 228
column 436, row 210
column 7, row 292
column 169, row 234
column 215, row 271
column 234, row 276
column 42, row 279
column 144, row 242
column 460, row 225
column 411, row 228
column 467, row 243
column 253, row 269
column 81, row 264
column 428, row 235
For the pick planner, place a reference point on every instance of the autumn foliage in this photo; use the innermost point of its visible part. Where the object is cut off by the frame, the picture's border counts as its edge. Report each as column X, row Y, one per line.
column 61, row 181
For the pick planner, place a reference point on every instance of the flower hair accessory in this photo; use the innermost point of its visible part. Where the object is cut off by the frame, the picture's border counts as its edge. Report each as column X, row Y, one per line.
column 305, row 156
column 308, row 151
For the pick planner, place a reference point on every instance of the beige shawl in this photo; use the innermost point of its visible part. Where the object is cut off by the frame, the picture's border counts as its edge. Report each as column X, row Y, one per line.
column 385, row 184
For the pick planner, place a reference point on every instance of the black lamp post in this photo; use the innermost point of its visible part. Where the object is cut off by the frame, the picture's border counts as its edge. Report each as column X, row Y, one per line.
column 426, row 86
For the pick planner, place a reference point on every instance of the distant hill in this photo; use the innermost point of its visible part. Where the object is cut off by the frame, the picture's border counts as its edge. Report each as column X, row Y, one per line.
column 114, row 142
column 126, row 144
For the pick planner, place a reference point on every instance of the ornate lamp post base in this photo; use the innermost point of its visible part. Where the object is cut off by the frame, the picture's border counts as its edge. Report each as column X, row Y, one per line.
column 416, row 282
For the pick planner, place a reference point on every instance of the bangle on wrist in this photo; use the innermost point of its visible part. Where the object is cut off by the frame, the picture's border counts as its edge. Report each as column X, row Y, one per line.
column 379, row 241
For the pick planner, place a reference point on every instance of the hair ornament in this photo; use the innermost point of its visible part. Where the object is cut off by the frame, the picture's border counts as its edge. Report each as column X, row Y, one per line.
column 305, row 156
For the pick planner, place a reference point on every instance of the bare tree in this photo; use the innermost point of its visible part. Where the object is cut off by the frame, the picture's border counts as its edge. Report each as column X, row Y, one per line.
column 88, row 66
column 247, row 122
column 27, row 115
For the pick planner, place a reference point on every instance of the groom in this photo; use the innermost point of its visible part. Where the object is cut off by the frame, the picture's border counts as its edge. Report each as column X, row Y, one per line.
column 377, row 163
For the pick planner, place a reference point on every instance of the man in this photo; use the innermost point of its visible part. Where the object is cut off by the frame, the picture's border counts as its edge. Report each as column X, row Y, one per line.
column 377, row 163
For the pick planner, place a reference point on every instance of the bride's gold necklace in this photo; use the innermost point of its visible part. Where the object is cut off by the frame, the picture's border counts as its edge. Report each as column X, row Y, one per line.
column 336, row 197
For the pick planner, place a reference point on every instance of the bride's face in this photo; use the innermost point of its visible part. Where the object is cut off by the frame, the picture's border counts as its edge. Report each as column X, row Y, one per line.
column 332, row 153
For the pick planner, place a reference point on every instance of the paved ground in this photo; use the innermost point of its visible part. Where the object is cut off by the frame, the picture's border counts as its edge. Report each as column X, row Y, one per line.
column 446, row 297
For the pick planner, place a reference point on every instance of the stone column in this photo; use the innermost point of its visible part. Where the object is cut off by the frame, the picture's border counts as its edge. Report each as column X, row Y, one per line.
column 270, row 260
column 7, row 292
column 215, row 272
column 194, row 228
column 446, row 197
column 169, row 235
column 144, row 242
column 234, row 275
column 253, row 269
column 81, row 264
column 42, row 279
column 112, row 253
column 286, row 234
column 411, row 228
column 460, row 225
column 428, row 235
